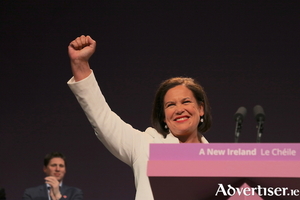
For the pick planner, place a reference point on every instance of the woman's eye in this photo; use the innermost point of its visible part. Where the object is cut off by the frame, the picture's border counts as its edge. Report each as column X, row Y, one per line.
column 171, row 104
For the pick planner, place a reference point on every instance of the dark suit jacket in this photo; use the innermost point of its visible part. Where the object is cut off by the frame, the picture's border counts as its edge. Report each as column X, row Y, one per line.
column 41, row 193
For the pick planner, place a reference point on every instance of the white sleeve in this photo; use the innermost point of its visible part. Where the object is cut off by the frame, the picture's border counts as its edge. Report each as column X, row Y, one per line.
column 120, row 138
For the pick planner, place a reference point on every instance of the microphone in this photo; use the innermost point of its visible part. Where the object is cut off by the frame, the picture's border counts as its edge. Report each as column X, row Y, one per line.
column 239, row 118
column 260, row 117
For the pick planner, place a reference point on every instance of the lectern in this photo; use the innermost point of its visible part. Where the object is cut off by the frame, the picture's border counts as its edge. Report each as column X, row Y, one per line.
column 222, row 170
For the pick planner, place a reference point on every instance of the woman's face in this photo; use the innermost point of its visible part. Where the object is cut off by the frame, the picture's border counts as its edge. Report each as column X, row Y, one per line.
column 182, row 113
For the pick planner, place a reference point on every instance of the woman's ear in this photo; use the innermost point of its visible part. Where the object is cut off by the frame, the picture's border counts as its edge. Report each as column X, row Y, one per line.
column 201, row 110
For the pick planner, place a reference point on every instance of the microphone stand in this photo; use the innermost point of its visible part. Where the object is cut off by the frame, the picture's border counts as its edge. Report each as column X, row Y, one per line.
column 238, row 127
column 260, row 128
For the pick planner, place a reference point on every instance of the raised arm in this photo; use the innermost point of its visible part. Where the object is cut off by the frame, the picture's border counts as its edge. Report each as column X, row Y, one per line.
column 80, row 50
column 120, row 138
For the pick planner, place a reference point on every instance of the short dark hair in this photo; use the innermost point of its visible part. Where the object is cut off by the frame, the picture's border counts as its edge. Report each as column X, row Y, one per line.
column 158, row 114
column 51, row 155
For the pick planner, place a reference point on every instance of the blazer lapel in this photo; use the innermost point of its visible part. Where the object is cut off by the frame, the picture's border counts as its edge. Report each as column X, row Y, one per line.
column 63, row 191
column 43, row 191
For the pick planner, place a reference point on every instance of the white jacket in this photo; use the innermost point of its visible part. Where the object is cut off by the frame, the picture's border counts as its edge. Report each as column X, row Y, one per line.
column 126, row 143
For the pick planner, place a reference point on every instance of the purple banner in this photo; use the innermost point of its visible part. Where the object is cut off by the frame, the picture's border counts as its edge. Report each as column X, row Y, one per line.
column 226, row 151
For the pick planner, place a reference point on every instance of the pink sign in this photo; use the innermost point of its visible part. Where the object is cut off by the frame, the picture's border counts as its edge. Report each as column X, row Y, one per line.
column 226, row 151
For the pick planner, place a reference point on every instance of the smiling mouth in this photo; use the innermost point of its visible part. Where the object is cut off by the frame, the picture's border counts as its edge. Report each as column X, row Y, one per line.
column 181, row 119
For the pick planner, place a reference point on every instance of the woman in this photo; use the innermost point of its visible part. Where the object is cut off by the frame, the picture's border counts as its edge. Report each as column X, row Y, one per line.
column 181, row 114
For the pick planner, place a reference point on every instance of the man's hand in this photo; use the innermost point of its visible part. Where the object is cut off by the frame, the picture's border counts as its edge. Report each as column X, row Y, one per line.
column 80, row 50
column 54, row 187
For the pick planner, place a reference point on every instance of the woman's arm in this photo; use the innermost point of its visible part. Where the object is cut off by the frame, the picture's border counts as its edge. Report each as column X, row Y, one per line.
column 120, row 138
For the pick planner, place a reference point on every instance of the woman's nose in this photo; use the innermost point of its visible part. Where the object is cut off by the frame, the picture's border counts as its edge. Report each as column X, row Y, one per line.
column 179, row 109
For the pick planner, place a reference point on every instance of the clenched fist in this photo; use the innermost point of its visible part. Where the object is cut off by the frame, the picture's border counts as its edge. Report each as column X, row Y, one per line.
column 80, row 50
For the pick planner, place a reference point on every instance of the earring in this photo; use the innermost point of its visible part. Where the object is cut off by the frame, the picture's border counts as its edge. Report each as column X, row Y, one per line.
column 201, row 119
column 166, row 127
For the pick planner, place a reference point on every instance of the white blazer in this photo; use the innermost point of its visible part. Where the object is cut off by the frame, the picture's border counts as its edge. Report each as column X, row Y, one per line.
column 126, row 143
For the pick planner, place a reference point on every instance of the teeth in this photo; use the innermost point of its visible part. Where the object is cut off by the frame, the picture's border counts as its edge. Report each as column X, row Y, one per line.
column 180, row 119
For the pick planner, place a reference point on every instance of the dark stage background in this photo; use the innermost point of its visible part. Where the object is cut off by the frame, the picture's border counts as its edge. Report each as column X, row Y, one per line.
column 244, row 53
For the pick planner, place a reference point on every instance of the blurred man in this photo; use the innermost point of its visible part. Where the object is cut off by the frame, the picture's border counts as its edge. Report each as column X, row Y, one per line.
column 53, row 189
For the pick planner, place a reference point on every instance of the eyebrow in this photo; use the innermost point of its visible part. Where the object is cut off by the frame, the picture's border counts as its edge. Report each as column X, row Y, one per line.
column 185, row 98
column 57, row 164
